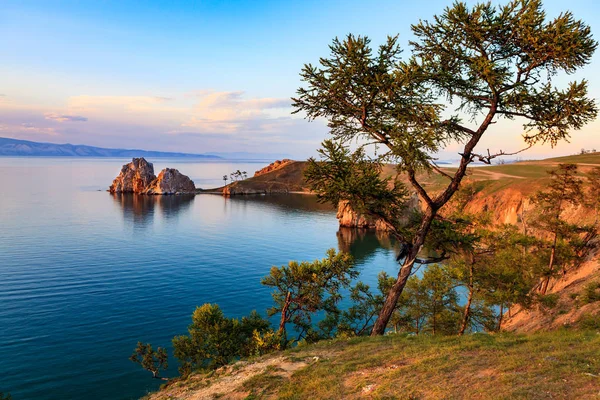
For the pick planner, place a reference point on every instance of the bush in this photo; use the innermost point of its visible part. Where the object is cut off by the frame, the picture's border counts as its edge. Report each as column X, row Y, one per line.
column 215, row 340
column 588, row 321
column 548, row 300
column 591, row 293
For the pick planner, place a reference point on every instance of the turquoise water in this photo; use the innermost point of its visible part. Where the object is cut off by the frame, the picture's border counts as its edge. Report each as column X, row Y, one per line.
column 84, row 274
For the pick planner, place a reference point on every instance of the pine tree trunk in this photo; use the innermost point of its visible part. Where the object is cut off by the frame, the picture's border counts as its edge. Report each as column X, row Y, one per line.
column 550, row 265
column 392, row 298
column 467, row 314
column 284, row 311
column 500, row 318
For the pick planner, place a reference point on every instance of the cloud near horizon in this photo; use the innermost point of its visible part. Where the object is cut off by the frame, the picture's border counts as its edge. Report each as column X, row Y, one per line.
column 64, row 118
column 205, row 120
column 230, row 113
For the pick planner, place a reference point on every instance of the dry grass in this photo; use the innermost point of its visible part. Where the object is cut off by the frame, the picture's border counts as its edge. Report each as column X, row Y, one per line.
column 556, row 365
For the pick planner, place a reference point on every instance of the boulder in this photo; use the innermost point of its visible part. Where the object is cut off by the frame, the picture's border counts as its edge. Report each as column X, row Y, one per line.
column 134, row 177
column 170, row 181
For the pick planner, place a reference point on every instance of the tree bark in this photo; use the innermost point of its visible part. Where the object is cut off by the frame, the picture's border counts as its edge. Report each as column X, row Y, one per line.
column 550, row 265
column 500, row 318
column 432, row 206
column 392, row 298
column 284, row 310
column 467, row 313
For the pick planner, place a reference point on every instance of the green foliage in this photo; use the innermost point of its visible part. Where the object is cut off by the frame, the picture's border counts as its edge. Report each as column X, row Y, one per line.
column 303, row 289
column 354, row 177
column 565, row 244
column 428, row 305
column 6, row 396
column 593, row 197
column 487, row 61
column 589, row 321
column 548, row 301
column 591, row 293
column 150, row 359
column 358, row 319
column 215, row 340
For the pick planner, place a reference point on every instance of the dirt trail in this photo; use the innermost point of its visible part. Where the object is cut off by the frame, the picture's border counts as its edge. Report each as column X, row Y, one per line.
column 228, row 382
column 496, row 175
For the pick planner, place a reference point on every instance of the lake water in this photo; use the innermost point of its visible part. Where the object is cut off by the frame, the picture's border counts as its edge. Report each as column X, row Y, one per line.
column 84, row 274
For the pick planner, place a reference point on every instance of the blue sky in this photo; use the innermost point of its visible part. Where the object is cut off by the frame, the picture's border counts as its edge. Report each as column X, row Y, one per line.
column 197, row 76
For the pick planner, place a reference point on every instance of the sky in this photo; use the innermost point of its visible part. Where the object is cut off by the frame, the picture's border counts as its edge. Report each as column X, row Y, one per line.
column 203, row 76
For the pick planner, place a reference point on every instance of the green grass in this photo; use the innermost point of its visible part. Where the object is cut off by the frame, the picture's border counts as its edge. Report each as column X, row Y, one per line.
column 590, row 158
column 563, row 364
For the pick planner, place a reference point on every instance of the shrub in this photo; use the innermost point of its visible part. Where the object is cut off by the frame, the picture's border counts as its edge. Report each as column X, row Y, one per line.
column 215, row 340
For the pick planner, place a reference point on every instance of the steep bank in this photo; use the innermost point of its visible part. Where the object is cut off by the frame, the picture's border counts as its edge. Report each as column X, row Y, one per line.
column 558, row 365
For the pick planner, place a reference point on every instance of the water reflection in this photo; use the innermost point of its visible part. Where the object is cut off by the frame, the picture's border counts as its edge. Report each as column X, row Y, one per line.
column 141, row 209
column 285, row 202
column 363, row 244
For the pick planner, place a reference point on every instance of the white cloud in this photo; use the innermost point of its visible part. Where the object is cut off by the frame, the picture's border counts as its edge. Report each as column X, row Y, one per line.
column 64, row 118
column 231, row 112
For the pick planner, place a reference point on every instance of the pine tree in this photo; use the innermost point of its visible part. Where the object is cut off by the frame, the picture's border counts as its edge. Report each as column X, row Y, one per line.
column 487, row 62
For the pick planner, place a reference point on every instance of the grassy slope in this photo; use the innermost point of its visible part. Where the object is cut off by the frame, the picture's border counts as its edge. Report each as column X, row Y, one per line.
column 561, row 365
column 526, row 176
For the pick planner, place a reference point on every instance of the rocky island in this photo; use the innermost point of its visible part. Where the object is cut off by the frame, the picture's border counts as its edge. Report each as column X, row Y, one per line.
column 138, row 177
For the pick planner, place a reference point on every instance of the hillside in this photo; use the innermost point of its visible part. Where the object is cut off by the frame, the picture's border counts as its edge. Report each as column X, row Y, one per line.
column 544, row 353
column 557, row 365
column 14, row 147
column 503, row 191
column 526, row 177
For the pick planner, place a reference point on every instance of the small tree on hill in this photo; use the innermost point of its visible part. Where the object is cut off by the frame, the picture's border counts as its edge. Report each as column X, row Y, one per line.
column 483, row 63
column 594, row 193
column 225, row 178
column 303, row 289
column 564, row 189
column 150, row 359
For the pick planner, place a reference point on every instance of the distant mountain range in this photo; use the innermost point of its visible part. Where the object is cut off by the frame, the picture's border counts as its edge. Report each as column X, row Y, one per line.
column 14, row 147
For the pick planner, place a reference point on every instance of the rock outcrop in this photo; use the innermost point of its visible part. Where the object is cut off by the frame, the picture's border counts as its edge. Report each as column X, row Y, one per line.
column 349, row 218
column 273, row 166
column 138, row 177
column 134, row 177
column 170, row 181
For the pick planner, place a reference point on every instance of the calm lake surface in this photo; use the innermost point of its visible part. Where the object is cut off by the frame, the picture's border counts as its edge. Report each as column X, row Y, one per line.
column 84, row 274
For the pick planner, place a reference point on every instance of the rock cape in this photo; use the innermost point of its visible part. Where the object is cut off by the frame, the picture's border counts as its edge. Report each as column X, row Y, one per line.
column 138, row 177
